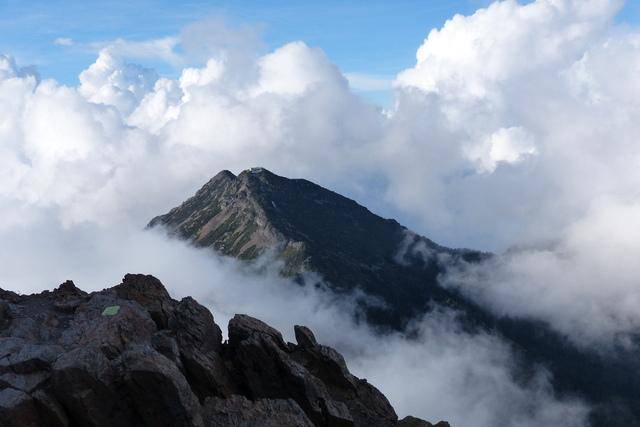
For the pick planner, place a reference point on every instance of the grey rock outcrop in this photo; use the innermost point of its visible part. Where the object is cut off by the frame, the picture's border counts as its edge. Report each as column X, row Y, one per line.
column 132, row 356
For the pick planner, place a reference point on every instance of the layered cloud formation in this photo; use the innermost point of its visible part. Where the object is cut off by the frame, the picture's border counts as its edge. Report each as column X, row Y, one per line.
column 517, row 128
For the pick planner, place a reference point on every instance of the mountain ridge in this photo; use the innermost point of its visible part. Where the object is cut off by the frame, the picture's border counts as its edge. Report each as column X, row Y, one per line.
column 354, row 249
column 312, row 229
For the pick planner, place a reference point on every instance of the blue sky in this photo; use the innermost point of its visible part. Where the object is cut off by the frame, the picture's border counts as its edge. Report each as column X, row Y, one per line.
column 374, row 37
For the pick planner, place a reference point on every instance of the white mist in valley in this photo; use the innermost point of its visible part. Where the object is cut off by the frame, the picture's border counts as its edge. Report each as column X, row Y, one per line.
column 441, row 373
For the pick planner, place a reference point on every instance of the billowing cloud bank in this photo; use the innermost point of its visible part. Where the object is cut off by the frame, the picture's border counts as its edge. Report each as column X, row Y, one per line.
column 518, row 126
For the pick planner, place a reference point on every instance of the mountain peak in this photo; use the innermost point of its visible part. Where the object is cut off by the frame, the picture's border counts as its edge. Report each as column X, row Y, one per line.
column 256, row 171
column 309, row 228
column 260, row 177
column 223, row 175
column 252, row 179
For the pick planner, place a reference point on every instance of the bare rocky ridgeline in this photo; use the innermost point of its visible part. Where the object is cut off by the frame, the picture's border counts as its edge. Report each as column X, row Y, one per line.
column 313, row 229
column 130, row 355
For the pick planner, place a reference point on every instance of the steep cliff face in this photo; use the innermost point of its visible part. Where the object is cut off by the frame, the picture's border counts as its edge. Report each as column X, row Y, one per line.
column 314, row 229
column 132, row 356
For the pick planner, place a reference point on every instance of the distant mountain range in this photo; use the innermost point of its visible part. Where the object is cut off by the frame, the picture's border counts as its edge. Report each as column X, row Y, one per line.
column 314, row 230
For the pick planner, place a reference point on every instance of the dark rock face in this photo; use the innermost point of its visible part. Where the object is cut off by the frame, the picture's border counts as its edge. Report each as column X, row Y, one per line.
column 238, row 411
column 132, row 356
column 327, row 392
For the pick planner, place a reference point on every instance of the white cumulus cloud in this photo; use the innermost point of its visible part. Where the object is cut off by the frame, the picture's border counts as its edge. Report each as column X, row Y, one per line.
column 510, row 145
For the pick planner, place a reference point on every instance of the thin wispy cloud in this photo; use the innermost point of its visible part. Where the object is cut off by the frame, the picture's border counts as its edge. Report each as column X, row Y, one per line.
column 63, row 41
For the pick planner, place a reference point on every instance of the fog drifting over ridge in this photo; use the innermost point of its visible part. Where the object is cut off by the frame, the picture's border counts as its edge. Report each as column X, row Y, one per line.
column 517, row 126
column 442, row 373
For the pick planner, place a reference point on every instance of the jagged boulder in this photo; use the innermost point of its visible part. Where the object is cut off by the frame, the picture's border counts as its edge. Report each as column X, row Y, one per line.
column 133, row 356
column 268, row 370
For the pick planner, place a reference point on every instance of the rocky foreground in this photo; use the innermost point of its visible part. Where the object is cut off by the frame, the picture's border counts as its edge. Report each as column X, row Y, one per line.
column 132, row 356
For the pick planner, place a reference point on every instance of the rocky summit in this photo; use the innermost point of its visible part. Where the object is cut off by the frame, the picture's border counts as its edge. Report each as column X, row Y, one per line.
column 312, row 229
column 131, row 355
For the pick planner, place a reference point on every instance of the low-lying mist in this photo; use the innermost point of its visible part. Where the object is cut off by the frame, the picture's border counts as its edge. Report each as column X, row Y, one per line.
column 441, row 373
column 584, row 285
